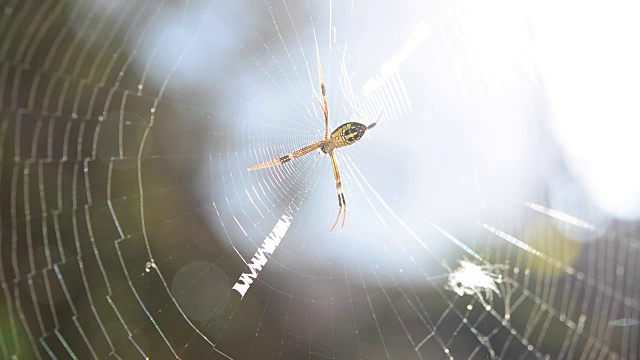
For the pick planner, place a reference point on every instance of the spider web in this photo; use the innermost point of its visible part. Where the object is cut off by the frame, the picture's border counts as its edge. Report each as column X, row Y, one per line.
column 128, row 213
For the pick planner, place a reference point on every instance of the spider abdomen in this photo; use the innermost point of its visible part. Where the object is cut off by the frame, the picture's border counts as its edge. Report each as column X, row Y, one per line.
column 347, row 134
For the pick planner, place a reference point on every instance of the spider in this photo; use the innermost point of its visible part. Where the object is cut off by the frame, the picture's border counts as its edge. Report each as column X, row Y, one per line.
column 346, row 134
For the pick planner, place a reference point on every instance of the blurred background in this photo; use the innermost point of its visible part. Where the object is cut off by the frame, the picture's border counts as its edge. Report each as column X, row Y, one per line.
column 508, row 139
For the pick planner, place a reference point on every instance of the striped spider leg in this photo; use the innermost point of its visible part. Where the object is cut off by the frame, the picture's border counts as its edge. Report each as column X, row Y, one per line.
column 342, row 202
column 286, row 158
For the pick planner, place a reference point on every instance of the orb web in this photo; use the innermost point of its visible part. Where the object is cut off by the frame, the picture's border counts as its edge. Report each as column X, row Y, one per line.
column 128, row 213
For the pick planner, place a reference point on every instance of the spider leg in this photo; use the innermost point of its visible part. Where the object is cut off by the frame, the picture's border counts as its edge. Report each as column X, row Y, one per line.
column 375, row 122
column 325, row 107
column 326, row 114
column 286, row 158
column 342, row 202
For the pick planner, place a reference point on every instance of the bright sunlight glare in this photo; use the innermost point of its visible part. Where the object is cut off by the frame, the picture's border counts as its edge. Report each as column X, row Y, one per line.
column 594, row 95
